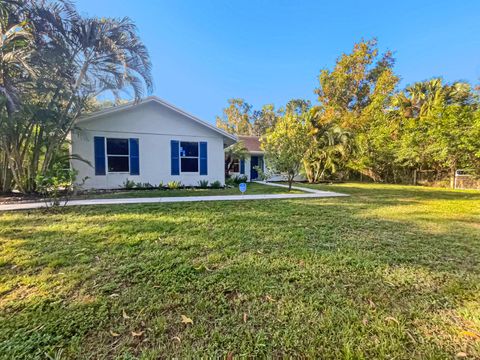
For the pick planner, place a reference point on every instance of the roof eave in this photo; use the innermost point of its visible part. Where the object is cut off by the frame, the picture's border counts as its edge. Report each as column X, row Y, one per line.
column 130, row 105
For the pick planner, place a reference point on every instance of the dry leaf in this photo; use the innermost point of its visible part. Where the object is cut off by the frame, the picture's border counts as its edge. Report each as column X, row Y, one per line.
column 229, row 356
column 244, row 317
column 114, row 334
column 470, row 334
column 186, row 320
column 124, row 314
column 140, row 333
column 461, row 355
column 365, row 321
column 114, row 295
column 269, row 298
column 391, row 318
column 372, row 304
column 176, row 338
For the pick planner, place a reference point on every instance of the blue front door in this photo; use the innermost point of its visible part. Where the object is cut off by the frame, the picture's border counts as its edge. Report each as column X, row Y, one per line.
column 254, row 162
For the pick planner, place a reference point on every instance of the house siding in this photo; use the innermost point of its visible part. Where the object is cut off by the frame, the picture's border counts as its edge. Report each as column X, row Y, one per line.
column 154, row 126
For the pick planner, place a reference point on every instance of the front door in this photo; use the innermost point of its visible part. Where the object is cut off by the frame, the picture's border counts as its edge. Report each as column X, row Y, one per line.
column 254, row 162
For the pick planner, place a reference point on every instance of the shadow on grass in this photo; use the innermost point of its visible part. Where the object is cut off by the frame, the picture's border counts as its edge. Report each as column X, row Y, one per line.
column 335, row 269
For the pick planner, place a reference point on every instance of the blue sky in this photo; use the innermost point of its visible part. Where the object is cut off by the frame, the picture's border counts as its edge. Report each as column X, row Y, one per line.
column 204, row 52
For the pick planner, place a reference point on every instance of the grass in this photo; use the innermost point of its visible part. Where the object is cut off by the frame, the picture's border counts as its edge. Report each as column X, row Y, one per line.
column 252, row 188
column 389, row 272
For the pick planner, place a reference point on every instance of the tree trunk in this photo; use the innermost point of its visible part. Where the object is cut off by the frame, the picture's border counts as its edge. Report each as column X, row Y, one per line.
column 290, row 181
column 452, row 177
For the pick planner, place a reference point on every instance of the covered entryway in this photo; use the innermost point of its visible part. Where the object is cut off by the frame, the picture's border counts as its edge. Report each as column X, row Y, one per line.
column 255, row 161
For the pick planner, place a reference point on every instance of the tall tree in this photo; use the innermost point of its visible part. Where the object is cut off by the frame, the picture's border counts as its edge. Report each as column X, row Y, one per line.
column 329, row 147
column 355, row 96
column 297, row 107
column 76, row 59
column 236, row 118
column 264, row 119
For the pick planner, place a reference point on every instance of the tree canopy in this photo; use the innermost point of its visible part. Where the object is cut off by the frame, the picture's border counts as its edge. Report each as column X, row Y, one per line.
column 53, row 63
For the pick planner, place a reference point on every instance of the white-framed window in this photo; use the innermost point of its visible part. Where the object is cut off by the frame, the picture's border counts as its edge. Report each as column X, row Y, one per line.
column 189, row 156
column 236, row 165
column 118, row 155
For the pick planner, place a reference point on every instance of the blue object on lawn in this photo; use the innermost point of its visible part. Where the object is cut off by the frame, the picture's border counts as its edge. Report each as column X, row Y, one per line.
column 242, row 187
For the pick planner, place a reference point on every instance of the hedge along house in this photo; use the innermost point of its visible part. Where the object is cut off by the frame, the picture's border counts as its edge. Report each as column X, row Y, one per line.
column 253, row 159
column 147, row 142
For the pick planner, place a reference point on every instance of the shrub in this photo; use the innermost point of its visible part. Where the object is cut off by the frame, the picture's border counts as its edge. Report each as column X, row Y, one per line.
column 263, row 175
column 128, row 184
column 203, row 184
column 236, row 180
column 145, row 185
column 57, row 185
column 174, row 185
column 216, row 185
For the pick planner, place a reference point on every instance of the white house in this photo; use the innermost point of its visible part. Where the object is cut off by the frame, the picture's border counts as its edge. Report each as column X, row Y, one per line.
column 149, row 142
column 253, row 159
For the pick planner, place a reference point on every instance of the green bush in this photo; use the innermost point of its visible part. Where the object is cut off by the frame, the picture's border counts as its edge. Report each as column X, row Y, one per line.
column 174, row 185
column 236, row 180
column 203, row 184
column 57, row 185
column 145, row 185
column 216, row 185
column 128, row 184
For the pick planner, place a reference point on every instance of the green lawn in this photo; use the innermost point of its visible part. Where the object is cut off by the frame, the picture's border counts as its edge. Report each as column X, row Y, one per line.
column 389, row 272
column 252, row 188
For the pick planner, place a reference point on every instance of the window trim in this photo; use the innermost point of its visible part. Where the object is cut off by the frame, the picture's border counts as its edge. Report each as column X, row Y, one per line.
column 237, row 163
column 113, row 155
column 188, row 157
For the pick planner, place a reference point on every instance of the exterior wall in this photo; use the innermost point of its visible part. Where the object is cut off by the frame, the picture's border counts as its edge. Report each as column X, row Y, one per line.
column 273, row 177
column 247, row 166
column 155, row 126
column 247, row 169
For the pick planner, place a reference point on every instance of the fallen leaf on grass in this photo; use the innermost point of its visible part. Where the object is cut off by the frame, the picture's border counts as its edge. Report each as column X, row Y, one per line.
column 186, row 320
column 114, row 295
column 269, row 298
column 124, row 314
column 245, row 317
column 461, row 355
column 140, row 333
column 114, row 334
column 176, row 338
column 365, row 321
column 229, row 356
column 371, row 304
column 391, row 318
column 470, row 334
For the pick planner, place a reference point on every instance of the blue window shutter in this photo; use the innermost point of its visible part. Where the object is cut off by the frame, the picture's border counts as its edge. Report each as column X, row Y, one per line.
column 175, row 157
column 99, row 150
column 242, row 166
column 203, row 159
column 134, row 157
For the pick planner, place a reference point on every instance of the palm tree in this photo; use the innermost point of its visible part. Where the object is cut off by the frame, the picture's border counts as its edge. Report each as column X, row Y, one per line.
column 107, row 56
column 422, row 98
column 329, row 149
column 15, row 51
column 68, row 60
